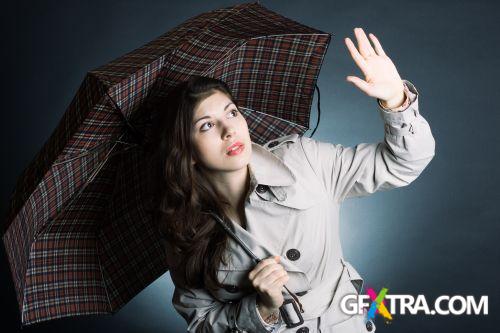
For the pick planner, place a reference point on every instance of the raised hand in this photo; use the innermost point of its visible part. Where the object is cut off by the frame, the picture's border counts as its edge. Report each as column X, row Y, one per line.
column 382, row 79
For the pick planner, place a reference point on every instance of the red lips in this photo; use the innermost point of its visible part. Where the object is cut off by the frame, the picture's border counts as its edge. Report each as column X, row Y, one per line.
column 235, row 148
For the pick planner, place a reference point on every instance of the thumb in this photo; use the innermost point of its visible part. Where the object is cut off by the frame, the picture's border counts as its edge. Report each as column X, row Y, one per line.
column 362, row 85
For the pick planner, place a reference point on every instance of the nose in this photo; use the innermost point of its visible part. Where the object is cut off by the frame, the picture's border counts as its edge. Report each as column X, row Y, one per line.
column 228, row 132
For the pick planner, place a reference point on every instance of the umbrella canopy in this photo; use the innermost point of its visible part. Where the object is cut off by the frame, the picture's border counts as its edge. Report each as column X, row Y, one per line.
column 80, row 235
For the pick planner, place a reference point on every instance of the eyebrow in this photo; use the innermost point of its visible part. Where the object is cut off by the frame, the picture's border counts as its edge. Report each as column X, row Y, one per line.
column 205, row 117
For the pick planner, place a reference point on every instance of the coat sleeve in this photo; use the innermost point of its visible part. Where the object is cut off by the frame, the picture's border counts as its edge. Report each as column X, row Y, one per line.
column 406, row 150
column 204, row 313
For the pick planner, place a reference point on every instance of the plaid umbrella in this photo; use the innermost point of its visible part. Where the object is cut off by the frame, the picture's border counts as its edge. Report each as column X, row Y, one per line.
column 80, row 235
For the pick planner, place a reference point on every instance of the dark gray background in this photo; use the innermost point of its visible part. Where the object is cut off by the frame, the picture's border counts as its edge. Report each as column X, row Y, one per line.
column 438, row 236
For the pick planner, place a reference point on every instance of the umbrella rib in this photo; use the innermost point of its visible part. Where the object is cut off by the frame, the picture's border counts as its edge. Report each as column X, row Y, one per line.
column 278, row 118
column 138, row 135
column 87, row 182
column 295, row 34
column 103, row 280
column 86, row 152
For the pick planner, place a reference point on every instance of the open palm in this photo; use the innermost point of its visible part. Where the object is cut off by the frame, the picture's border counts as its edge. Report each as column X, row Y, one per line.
column 382, row 79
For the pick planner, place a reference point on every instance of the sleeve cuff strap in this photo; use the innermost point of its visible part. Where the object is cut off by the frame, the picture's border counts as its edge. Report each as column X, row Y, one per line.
column 404, row 117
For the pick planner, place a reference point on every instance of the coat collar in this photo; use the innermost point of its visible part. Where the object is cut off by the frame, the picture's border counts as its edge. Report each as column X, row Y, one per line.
column 268, row 169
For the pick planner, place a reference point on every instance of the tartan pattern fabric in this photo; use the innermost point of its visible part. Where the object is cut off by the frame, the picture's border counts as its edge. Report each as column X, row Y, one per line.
column 79, row 233
column 264, row 128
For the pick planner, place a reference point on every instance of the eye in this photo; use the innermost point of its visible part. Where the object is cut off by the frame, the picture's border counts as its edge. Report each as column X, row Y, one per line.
column 205, row 127
column 234, row 112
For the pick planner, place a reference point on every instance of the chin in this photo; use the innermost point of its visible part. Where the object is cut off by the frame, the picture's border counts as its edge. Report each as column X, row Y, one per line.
column 239, row 162
column 237, row 165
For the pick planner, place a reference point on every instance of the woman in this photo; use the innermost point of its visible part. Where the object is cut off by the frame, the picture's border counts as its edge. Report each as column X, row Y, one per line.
column 282, row 199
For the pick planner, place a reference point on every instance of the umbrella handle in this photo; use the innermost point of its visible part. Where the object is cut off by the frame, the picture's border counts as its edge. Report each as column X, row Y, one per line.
column 298, row 310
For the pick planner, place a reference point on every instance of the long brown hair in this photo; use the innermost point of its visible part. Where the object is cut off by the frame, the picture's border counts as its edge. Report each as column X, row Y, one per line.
column 184, row 189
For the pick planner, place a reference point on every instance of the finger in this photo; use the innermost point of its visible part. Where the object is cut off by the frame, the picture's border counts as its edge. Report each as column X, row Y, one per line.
column 273, row 282
column 268, row 272
column 358, row 58
column 263, row 263
column 361, row 84
column 378, row 46
column 365, row 48
column 279, row 282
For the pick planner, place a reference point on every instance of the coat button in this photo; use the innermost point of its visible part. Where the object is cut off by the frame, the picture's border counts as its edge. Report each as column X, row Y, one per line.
column 293, row 254
column 231, row 288
column 303, row 330
column 369, row 326
column 272, row 144
column 261, row 188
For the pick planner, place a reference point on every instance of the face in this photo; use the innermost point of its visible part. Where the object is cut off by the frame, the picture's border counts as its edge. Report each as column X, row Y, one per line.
column 220, row 135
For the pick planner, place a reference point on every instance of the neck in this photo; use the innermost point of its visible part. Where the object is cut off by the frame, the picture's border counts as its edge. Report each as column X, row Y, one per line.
column 234, row 185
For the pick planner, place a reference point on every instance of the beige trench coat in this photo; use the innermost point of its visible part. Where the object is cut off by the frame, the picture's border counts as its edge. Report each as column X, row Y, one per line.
column 292, row 210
